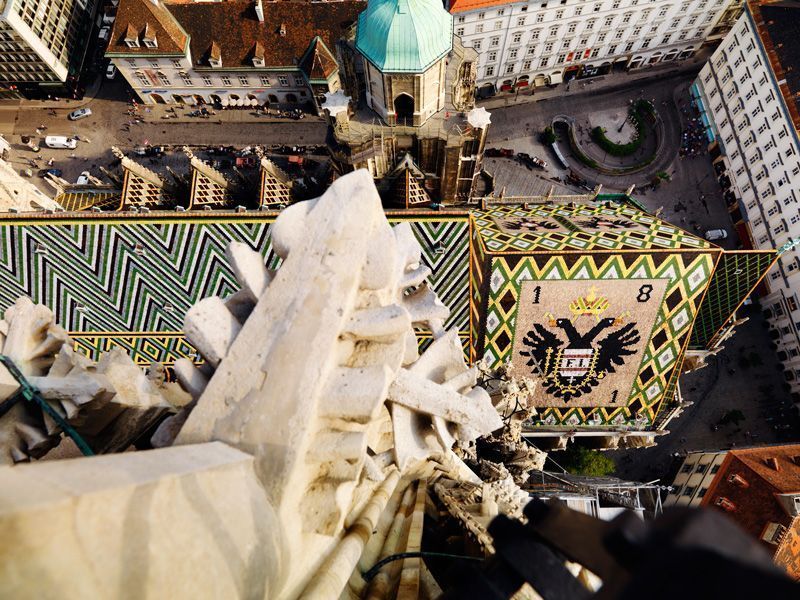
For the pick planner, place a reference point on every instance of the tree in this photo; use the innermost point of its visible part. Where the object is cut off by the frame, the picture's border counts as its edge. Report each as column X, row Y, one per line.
column 549, row 136
column 579, row 460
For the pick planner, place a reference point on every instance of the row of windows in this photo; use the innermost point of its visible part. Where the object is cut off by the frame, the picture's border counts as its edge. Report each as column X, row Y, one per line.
column 227, row 81
column 581, row 9
column 555, row 30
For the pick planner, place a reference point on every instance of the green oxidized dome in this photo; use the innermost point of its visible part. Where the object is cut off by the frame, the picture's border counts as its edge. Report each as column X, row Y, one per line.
column 404, row 35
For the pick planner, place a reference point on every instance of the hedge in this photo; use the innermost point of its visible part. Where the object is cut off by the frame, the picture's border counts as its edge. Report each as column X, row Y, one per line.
column 637, row 112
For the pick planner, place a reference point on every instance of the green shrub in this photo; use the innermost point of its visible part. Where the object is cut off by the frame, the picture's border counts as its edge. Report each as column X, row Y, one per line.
column 549, row 136
column 579, row 460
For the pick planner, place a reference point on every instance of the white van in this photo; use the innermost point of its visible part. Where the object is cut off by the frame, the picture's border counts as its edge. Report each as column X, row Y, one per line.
column 60, row 141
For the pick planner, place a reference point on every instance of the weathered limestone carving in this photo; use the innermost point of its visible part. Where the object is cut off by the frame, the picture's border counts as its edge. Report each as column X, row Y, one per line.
column 109, row 403
column 304, row 359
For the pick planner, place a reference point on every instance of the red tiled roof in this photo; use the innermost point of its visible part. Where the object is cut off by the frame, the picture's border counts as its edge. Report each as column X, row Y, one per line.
column 755, row 505
column 318, row 63
column 134, row 16
column 235, row 28
column 460, row 6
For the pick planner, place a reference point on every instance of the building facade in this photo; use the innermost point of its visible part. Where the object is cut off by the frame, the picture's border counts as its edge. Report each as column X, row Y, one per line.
column 746, row 96
column 43, row 45
column 234, row 53
column 759, row 488
column 544, row 42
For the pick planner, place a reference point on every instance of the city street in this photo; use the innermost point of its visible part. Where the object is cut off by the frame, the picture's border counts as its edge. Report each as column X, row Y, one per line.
column 108, row 126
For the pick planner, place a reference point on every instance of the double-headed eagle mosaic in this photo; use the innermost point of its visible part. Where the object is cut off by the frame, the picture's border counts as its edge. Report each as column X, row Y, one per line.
column 572, row 362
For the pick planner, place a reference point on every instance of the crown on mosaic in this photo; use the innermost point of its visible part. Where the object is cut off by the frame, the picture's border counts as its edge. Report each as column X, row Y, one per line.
column 591, row 305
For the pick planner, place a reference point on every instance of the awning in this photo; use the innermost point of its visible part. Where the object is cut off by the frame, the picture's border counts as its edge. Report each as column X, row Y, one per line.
column 522, row 84
column 555, row 78
column 505, row 88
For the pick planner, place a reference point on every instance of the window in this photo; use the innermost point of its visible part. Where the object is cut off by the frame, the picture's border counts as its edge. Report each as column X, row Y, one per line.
column 207, row 81
column 187, row 81
column 554, row 31
column 686, row 468
column 548, row 47
column 492, row 56
column 176, row 64
column 501, row 12
column 477, row 44
column 243, row 81
column 689, row 490
column 481, row 15
column 535, row 35
column 479, row 28
column 602, row 37
column 163, row 79
column 143, row 80
column 608, row 21
column 590, row 24
column 283, row 80
column 666, row 38
column 626, row 18
column 561, row 58
column 543, row 62
column 520, row 21
column 702, row 492
column 714, row 469
column 526, row 65
column 460, row 19
column 513, row 53
column 498, row 24
column 559, row 14
column 226, row 81
column 539, row 18
column 517, row 38
column 459, row 31
column 612, row 49
column 646, row 43
column 489, row 70
column 264, row 81
column 578, row 11
column 571, row 27
column 509, row 68
column 495, row 41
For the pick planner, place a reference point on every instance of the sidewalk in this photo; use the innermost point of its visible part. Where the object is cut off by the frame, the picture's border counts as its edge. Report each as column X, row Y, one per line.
column 593, row 84
column 164, row 115
column 91, row 93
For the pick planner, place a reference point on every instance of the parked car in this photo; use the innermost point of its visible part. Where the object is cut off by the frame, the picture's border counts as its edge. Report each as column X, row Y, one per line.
column 111, row 71
column 104, row 34
column 222, row 163
column 149, row 150
column 81, row 113
column 247, row 162
column 60, row 141
column 505, row 152
column 83, row 179
column 53, row 172
column 716, row 234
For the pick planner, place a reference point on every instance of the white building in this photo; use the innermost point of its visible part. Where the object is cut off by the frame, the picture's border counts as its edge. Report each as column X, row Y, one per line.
column 694, row 478
column 747, row 92
column 228, row 53
column 42, row 45
column 540, row 42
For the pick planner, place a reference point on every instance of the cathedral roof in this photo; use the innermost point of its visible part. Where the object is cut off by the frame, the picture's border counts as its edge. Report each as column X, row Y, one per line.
column 405, row 36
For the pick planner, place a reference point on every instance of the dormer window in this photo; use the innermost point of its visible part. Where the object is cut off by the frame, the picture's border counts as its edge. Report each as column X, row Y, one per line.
column 283, row 29
column 258, row 55
column 215, row 55
column 131, row 37
column 149, row 37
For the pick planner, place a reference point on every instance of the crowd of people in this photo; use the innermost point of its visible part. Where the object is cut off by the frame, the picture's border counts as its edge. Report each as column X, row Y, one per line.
column 694, row 141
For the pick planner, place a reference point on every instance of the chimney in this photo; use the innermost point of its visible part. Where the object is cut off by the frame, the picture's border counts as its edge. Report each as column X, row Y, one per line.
column 260, row 11
column 738, row 480
column 772, row 463
column 725, row 504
